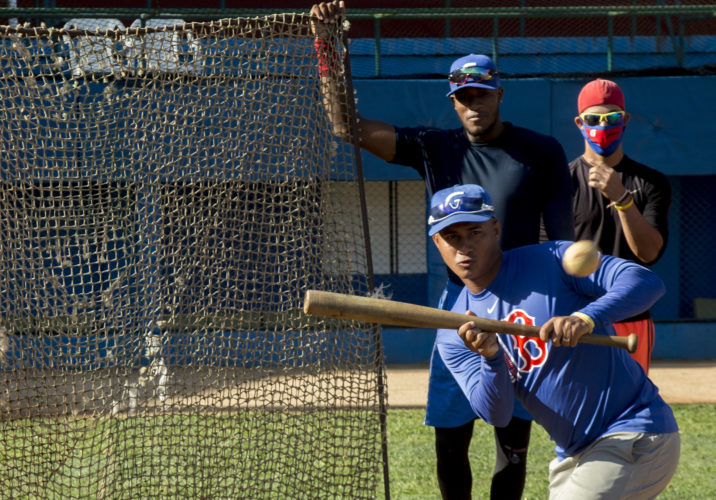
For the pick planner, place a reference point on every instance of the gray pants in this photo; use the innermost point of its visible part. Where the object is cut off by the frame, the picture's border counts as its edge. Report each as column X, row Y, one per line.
column 617, row 466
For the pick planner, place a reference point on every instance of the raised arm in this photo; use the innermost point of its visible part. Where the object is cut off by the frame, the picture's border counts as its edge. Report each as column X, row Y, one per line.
column 375, row 136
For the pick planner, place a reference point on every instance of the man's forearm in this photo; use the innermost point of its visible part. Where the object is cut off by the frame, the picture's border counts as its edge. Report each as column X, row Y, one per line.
column 333, row 88
column 643, row 239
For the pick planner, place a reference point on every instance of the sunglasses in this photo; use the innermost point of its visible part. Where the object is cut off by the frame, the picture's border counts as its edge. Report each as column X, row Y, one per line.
column 471, row 74
column 611, row 118
column 458, row 205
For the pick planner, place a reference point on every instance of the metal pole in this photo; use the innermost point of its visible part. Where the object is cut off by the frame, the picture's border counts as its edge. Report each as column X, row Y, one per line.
column 377, row 341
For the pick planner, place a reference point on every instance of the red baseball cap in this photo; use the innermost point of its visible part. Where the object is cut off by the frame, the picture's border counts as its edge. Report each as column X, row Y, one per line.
column 599, row 92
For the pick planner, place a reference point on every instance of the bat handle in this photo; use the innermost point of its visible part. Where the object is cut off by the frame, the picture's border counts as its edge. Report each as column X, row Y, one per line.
column 629, row 342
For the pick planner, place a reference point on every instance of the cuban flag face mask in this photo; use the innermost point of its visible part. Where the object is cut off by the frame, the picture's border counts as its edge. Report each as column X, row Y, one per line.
column 604, row 140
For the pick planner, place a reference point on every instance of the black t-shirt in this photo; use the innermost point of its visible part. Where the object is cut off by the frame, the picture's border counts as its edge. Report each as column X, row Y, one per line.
column 525, row 173
column 594, row 221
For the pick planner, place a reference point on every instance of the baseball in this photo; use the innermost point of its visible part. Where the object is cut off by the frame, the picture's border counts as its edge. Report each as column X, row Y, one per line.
column 581, row 258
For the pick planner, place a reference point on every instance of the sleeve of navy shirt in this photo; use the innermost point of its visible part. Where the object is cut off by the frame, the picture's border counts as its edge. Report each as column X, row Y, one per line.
column 413, row 146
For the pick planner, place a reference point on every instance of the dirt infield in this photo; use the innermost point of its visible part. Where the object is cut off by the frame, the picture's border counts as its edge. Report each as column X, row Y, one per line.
column 678, row 382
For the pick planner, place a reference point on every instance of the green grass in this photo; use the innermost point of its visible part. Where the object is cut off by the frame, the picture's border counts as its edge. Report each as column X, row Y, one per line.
column 411, row 457
column 185, row 456
column 246, row 455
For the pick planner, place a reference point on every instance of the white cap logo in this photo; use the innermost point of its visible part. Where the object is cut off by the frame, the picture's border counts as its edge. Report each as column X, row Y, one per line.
column 456, row 203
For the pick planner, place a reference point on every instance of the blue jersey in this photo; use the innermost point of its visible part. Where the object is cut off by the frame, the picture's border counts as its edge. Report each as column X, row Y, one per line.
column 577, row 394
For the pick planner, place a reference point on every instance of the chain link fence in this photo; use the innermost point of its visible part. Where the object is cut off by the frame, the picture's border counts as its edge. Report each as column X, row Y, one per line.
column 694, row 212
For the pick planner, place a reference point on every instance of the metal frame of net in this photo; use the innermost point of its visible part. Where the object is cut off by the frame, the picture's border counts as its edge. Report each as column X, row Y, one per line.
column 168, row 194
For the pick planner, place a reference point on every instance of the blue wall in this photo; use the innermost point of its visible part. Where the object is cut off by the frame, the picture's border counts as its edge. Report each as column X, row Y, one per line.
column 671, row 129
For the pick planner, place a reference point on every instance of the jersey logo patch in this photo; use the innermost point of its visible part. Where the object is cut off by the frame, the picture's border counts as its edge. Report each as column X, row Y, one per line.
column 531, row 351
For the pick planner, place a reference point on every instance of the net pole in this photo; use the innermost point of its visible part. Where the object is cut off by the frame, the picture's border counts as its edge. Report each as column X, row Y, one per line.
column 380, row 371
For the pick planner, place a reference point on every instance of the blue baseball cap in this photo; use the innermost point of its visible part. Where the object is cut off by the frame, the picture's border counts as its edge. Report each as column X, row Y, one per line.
column 473, row 70
column 460, row 203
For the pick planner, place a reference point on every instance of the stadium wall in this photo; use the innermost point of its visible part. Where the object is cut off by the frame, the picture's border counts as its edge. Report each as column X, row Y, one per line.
column 670, row 129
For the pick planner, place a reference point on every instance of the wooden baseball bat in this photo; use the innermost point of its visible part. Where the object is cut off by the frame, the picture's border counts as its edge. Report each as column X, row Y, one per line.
column 390, row 312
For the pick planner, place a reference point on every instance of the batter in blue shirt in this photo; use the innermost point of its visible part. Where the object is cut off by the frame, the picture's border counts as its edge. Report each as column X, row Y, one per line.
column 615, row 436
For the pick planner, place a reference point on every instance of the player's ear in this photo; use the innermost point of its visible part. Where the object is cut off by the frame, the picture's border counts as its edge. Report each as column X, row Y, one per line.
column 500, row 94
column 626, row 118
column 578, row 122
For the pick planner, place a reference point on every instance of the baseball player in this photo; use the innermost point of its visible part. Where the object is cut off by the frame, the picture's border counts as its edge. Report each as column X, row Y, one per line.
column 615, row 436
column 618, row 202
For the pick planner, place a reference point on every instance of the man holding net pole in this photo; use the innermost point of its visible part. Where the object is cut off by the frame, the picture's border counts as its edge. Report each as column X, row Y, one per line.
column 528, row 176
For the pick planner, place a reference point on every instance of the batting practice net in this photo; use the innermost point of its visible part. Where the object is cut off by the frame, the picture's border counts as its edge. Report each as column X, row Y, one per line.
column 168, row 193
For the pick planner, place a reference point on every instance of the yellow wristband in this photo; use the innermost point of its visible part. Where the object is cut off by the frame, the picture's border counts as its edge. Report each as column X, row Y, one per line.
column 589, row 321
column 624, row 207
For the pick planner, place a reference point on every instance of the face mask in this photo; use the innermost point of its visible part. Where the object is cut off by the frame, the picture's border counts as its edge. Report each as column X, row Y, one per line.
column 603, row 140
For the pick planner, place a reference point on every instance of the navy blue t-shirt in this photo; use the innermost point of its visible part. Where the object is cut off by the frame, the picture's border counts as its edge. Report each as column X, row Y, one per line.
column 525, row 172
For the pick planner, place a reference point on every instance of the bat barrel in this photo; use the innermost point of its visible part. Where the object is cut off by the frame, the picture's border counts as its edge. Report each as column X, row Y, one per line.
column 394, row 313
